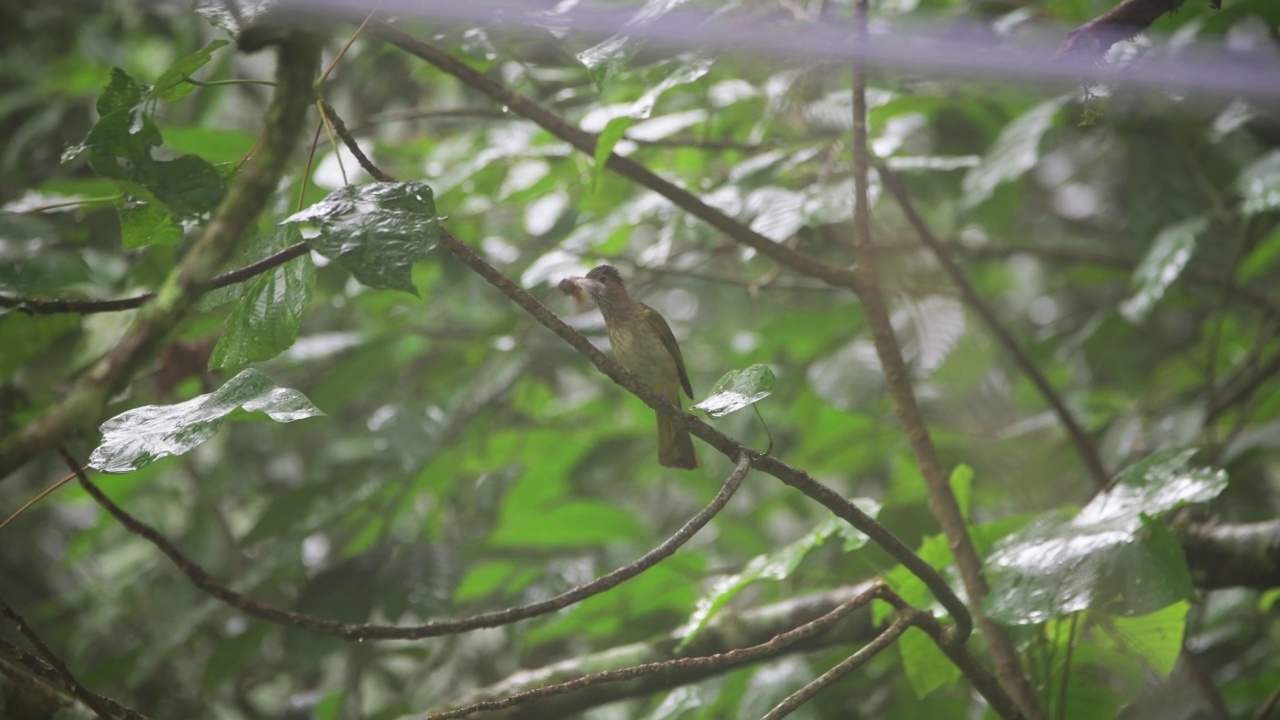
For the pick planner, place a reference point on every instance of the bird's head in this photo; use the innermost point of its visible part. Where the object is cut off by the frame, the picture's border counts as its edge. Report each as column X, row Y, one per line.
column 603, row 283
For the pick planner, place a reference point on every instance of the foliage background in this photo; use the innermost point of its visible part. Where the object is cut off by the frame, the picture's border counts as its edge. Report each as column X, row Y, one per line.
column 468, row 460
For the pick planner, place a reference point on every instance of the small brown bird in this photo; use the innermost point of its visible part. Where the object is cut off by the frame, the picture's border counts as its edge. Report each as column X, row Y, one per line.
column 644, row 344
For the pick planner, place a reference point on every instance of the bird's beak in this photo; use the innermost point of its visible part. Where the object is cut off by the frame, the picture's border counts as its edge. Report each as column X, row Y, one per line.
column 575, row 286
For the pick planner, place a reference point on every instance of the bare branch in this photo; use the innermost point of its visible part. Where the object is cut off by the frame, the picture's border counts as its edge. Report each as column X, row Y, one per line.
column 203, row 580
column 1084, row 445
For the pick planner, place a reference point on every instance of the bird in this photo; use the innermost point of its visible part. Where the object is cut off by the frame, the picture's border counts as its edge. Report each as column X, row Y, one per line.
column 644, row 344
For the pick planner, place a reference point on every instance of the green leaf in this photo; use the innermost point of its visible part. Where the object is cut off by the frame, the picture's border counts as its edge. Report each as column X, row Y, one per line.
column 143, row 224
column 138, row 437
column 188, row 185
column 1263, row 258
column 737, row 389
column 962, row 486
column 777, row 565
column 1016, row 151
column 121, row 93
column 1165, row 261
column 171, row 84
column 376, row 231
column 605, row 143
column 1259, row 185
column 926, row 668
column 1155, row 637
column 1110, row 555
column 265, row 321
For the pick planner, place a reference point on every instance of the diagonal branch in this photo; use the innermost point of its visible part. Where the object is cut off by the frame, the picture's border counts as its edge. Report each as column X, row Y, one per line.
column 203, row 580
column 48, row 664
column 1084, row 445
column 623, row 166
column 680, row 667
column 1091, row 41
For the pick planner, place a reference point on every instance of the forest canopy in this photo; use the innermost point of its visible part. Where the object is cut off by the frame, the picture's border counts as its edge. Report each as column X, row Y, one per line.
column 313, row 406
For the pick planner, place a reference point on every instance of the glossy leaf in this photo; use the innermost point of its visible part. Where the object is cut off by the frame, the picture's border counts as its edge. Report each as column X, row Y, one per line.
column 265, row 321
column 1107, row 556
column 738, row 389
column 376, row 231
column 138, row 437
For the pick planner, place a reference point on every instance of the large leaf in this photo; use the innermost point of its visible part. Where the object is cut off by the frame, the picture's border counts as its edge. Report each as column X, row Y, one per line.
column 138, row 437
column 737, row 389
column 120, row 144
column 264, row 322
column 1111, row 555
column 376, row 231
column 1168, row 256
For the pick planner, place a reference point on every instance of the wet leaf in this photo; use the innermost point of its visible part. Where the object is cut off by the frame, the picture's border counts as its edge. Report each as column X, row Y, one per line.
column 737, row 389
column 138, row 437
column 1111, row 554
column 377, row 231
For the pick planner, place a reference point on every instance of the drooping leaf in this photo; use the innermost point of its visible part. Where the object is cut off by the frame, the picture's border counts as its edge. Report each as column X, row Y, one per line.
column 1109, row 555
column 738, row 389
column 138, row 437
column 120, row 144
column 1169, row 254
column 1016, row 151
column 265, row 321
column 376, row 231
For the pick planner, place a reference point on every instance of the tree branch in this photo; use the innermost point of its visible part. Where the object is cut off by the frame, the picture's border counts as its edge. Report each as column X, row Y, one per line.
column 1091, row 41
column 1084, row 445
column 203, row 580
column 33, row 306
column 625, row 167
column 941, row 499
column 50, row 665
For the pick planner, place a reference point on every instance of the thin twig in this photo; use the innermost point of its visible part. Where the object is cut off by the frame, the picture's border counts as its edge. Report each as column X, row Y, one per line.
column 882, row 641
column 732, row 658
column 626, row 167
column 203, row 580
column 103, row 707
column 1084, row 445
column 33, row 306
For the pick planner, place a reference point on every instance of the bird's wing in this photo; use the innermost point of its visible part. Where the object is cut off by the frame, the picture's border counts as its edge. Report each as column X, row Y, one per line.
column 663, row 330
